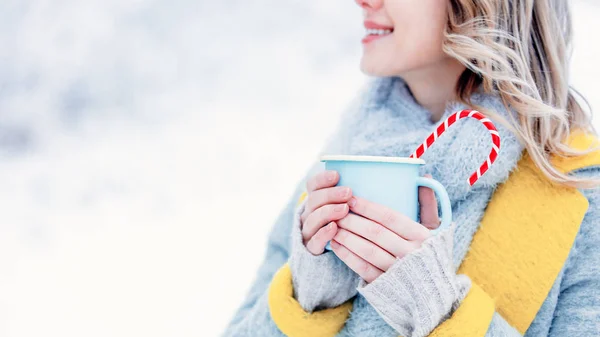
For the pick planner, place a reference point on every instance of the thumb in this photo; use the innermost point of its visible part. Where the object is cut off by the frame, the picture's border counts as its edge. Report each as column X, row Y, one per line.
column 429, row 207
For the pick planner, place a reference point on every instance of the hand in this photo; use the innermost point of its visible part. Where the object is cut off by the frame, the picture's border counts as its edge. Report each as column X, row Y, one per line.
column 325, row 204
column 372, row 237
column 320, row 280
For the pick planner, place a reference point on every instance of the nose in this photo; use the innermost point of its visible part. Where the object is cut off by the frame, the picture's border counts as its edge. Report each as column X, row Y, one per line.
column 369, row 4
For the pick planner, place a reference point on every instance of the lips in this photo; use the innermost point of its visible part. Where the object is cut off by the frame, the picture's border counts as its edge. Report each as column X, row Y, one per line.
column 376, row 31
column 367, row 39
column 374, row 25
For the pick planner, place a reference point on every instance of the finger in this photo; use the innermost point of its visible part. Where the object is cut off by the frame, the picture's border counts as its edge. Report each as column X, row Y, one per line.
column 329, row 195
column 321, row 180
column 364, row 269
column 316, row 245
column 322, row 216
column 366, row 249
column 378, row 234
column 395, row 221
column 429, row 207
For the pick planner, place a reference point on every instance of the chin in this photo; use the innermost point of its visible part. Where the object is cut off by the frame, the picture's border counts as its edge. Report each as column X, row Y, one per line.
column 374, row 67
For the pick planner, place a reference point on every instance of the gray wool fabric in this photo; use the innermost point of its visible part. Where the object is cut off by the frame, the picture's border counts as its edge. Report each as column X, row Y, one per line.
column 421, row 290
column 387, row 121
column 320, row 281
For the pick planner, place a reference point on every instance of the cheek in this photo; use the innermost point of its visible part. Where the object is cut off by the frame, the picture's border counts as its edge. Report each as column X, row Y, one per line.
column 417, row 38
column 418, row 43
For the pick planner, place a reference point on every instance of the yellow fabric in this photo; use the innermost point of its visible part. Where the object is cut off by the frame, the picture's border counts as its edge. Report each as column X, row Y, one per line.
column 520, row 246
column 518, row 251
column 291, row 318
column 579, row 141
column 513, row 261
column 302, row 197
column 472, row 318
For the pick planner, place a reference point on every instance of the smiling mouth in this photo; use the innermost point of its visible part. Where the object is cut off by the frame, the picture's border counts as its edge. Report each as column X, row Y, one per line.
column 379, row 31
column 375, row 34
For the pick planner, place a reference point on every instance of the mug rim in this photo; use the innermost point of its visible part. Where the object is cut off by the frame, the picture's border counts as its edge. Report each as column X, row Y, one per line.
column 374, row 159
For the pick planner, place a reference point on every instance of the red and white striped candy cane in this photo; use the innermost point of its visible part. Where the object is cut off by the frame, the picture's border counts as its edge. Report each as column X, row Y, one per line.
column 451, row 120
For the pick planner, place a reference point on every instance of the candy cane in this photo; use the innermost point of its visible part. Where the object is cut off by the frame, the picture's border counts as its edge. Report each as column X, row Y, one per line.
column 451, row 120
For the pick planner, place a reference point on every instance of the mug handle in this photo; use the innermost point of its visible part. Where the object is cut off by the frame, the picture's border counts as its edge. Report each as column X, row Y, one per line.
column 440, row 190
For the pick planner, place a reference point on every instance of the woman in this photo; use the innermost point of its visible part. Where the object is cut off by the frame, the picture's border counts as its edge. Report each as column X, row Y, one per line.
column 523, row 254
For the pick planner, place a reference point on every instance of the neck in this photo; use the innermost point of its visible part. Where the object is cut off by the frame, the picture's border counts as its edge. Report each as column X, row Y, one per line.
column 435, row 85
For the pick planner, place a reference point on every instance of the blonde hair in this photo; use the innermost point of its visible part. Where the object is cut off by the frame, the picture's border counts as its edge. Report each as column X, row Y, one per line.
column 521, row 50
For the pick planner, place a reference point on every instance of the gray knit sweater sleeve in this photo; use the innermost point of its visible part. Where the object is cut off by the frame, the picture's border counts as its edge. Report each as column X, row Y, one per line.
column 321, row 281
column 420, row 290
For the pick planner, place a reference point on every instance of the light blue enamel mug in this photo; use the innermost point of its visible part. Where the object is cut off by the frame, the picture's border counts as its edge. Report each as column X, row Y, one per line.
column 389, row 181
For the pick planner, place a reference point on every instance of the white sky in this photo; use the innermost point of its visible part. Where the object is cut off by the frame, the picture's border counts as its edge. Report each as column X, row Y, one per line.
column 147, row 147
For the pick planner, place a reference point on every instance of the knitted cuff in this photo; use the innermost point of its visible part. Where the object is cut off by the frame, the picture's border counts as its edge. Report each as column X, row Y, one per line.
column 320, row 281
column 420, row 290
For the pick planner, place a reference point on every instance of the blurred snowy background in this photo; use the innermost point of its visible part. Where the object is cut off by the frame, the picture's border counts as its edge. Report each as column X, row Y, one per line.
column 147, row 146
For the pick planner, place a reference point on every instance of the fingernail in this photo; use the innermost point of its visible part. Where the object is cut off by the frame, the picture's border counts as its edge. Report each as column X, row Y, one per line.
column 331, row 175
column 344, row 192
column 330, row 226
column 339, row 208
column 352, row 202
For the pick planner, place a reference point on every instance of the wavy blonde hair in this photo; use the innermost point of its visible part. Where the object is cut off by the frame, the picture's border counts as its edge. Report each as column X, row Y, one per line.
column 521, row 50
